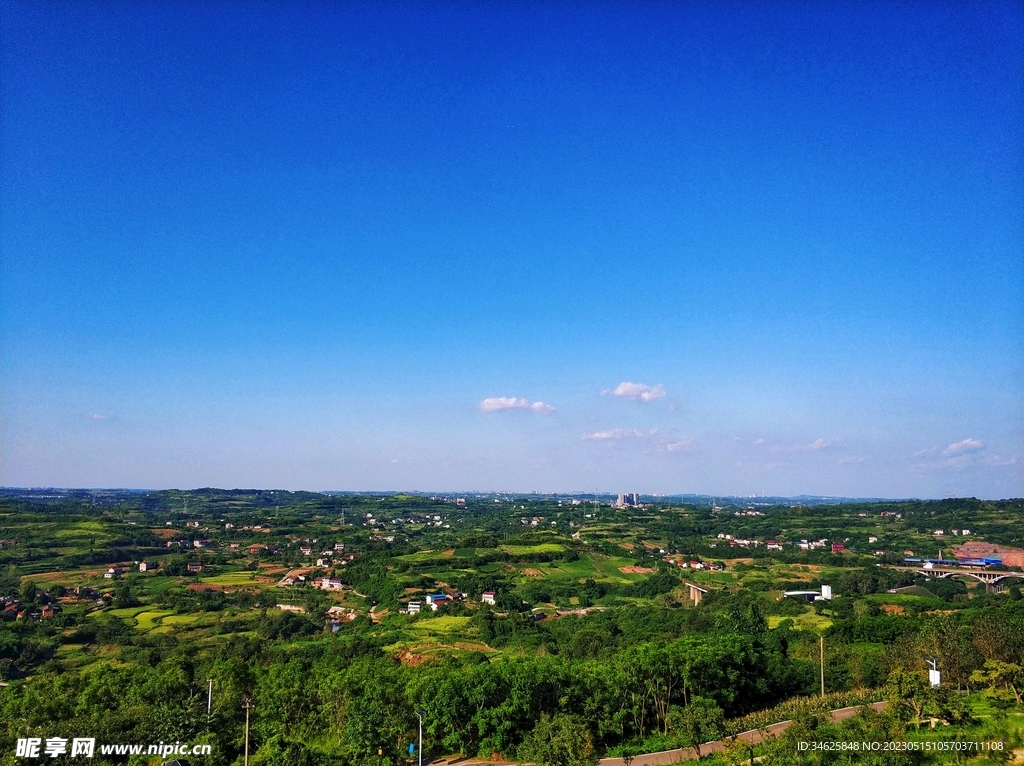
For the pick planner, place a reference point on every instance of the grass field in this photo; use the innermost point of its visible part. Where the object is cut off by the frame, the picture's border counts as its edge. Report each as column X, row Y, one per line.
column 149, row 620
column 230, row 578
column 806, row 621
column 172, row 621
column 442, row 625
column 525, row 550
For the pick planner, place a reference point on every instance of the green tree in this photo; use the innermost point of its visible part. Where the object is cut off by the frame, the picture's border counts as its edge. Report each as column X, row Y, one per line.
column 10, row 579
column 908, row 694
column 699, row 722
column 28, row 592
column 558, row 740
column 1006, row 677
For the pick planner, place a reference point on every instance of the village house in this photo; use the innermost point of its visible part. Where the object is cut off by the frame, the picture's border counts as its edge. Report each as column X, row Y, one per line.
column 488, row 597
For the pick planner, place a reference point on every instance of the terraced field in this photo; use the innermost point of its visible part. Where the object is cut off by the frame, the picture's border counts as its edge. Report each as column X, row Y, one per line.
column 230, row 578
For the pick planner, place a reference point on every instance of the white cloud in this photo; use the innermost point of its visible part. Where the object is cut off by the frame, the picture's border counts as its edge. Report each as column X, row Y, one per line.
column 999, row 461
column 818, row 444
column 500, row 403
column 687, row 444
column 814, row 446
column 759, row 441
column 638, row 392
column 851, row 459
column 619, row 433
column 96, row 416
column 926, row 452
column 967, row 445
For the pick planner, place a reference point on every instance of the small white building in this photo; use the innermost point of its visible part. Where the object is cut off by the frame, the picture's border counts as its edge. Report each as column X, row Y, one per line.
column 488, row 597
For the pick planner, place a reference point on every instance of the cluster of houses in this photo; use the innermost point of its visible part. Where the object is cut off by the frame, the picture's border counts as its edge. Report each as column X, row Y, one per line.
column 707, row 566
column 436, row 600
column 12, row 609
column 432, row 520
column 330, row 583
column 188, row 544
column 741, row 542
column 957, row 532
column 775, row 545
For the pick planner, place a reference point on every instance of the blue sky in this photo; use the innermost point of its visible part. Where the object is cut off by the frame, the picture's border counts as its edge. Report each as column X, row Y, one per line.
column 652, row 247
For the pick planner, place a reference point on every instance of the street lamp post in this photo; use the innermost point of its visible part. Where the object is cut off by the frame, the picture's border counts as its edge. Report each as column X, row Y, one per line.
column 419, row 714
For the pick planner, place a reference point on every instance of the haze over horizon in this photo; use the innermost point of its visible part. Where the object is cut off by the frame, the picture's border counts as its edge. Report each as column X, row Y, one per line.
column 712, row 249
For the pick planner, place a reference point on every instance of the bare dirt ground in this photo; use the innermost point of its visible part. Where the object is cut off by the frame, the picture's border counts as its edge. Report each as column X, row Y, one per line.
column 635, row 570
column 532, row 572
column 164, row 532
column 1012, row 557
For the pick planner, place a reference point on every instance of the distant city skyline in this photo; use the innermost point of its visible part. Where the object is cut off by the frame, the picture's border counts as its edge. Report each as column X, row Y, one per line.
column 708, row 248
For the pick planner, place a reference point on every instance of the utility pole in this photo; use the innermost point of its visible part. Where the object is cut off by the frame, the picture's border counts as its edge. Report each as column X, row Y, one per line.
column 821, row 640
column 419, row 714
column 246, row 706
column 209, row 701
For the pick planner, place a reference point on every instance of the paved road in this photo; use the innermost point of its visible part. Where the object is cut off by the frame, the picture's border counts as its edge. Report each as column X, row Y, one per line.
column 675, row 756
column 754, row 736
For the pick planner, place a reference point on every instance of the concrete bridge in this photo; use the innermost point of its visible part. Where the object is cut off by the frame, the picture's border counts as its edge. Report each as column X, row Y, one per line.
column 695, row 591
column 987, row 576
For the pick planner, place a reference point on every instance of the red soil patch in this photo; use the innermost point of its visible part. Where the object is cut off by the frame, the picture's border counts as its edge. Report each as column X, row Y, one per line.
column 449, row 552
column 532, row 572
column 1012, row 557
column 892, row 609
column 635, row 570
column 164, row 532
column 408, row 658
